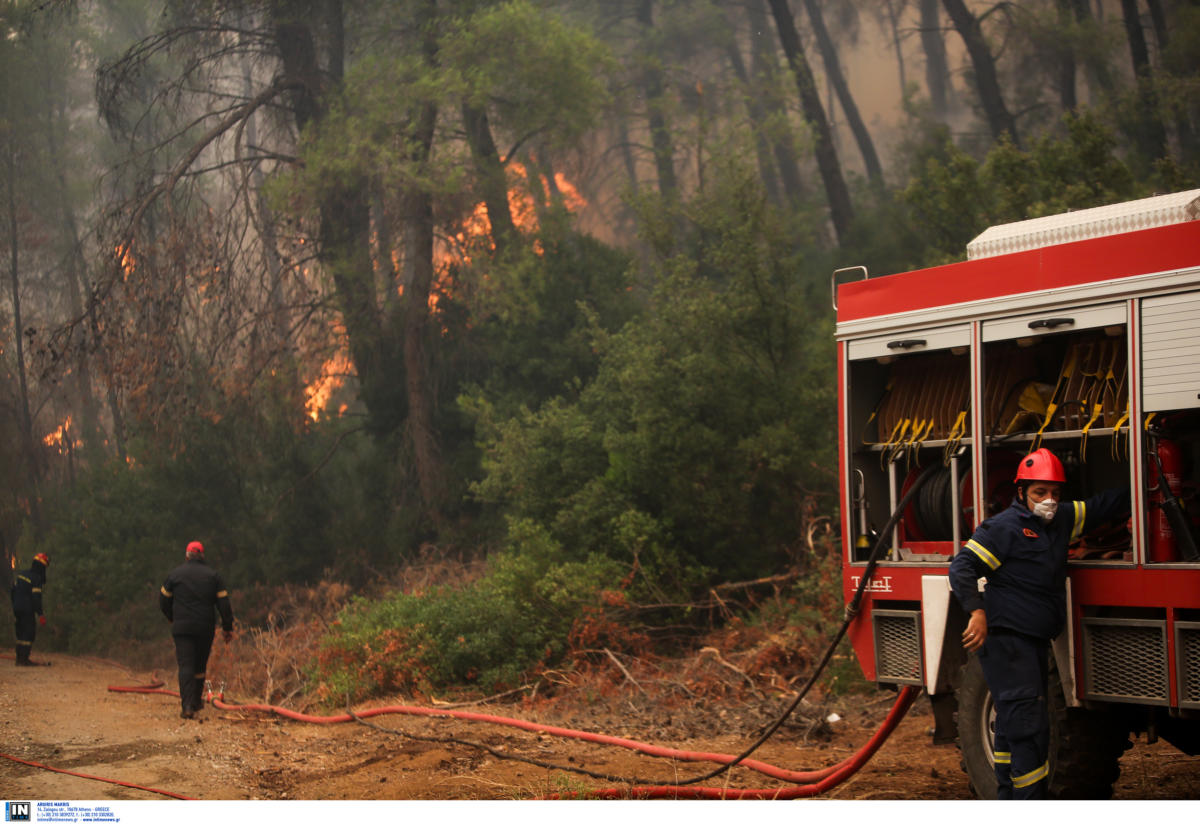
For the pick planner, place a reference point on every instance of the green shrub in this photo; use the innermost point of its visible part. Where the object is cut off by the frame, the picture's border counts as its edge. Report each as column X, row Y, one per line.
column 489, row 633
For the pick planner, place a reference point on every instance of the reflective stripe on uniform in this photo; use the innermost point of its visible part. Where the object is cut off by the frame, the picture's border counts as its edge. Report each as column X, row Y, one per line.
column 1002, row 757
column 24, row 643
column 1080, row 516
column 163, row 590
column 1032, row 777
column 37, row 590
column 983, row 553
column 223, row 594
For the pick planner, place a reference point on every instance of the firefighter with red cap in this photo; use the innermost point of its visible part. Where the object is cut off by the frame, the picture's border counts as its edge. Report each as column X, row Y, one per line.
column 27, row 606
column 1022, row 552
column 190, row 597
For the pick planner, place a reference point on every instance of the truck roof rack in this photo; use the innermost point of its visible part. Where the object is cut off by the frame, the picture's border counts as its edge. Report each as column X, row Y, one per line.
column 1147, row 213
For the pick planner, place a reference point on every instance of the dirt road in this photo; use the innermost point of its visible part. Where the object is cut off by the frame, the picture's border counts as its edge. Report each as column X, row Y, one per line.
column 64, row 716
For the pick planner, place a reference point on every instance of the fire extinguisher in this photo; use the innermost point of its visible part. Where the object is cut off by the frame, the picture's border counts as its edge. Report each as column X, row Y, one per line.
column 1167, row 457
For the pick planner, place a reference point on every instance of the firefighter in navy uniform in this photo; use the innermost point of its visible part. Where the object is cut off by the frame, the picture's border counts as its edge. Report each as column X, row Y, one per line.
column 27, row 606
column 188, row 598
column 1022, row 552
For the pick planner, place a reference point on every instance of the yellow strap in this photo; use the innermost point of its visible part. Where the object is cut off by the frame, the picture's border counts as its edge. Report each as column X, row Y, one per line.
column 1051, row 408
column 1117, row 431
column 894, row 442
column 1097, row 407
column 920, row 434
column 898, row 432
column 957, row 432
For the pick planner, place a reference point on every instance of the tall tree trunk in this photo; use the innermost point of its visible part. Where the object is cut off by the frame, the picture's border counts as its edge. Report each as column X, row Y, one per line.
column 260, row 212
column 893, row 16
column 76, row 271
column 1066, row 60
column 764, row 70
column 841, row 210
column 937, row 69
column 1183, row 125
column 1151, row 134
column 418, row 247
column 492, row 178
column 660, row 134
column 1158, row 19
column 1000, row 120
column 757, row 115
column 833, row 70
column 28, row 445
column 1098, row 73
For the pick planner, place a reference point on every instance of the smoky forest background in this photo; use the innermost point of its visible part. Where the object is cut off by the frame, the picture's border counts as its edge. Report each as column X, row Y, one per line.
column 475, row 338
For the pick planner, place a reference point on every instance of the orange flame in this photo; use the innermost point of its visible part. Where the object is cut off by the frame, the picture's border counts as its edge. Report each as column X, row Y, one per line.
column 477, row 228
column 125, row 260
column 61, row 439
column 332, row 377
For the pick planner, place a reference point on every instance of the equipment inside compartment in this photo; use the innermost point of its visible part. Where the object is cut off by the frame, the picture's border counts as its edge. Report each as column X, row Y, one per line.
column 1068, row 392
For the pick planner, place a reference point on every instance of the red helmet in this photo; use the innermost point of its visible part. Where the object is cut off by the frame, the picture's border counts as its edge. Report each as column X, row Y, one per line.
column 1041, row 465
column 195, row 546
column 42, row 558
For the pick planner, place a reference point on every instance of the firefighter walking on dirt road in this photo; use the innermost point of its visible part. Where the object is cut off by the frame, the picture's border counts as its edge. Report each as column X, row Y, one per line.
column 1022, row 552
column 27, row 606
column 188, row 598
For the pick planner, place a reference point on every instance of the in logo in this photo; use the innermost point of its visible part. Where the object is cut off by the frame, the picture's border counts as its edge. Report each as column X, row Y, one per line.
column 17, row 810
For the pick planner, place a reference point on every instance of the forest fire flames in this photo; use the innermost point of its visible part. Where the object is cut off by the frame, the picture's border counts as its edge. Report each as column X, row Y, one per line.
column 61, row 438
column 332, row 377
column 477, row 228
column 451, row 250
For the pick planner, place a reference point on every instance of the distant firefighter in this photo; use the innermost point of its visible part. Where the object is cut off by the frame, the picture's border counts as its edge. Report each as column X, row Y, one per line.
column 27, row 606
column 188, row 598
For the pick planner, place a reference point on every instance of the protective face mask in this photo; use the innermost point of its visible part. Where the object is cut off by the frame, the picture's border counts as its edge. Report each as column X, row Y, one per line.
column 1045, row 509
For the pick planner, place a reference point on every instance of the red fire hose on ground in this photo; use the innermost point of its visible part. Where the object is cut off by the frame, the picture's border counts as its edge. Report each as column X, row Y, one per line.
column 167, row 793
column 811, row 782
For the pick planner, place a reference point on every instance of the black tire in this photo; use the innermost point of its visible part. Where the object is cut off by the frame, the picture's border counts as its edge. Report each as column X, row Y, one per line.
column 1085, row 746
column 976, row 723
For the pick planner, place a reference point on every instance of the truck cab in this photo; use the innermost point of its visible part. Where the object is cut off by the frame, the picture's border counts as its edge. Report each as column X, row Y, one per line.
column 1076, row 332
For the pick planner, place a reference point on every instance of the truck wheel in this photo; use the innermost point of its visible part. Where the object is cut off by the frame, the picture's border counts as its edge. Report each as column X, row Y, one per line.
column 1085, row 746
column 976, row 728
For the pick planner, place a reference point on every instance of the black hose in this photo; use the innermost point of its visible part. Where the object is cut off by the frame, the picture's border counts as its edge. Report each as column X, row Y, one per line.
column 851, row 612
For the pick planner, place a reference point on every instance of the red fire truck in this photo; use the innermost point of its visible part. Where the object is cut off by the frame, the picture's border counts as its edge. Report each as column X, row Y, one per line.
column 1078, row 332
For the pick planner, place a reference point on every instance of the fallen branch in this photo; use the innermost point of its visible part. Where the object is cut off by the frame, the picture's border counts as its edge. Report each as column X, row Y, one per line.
column 624, row 671
column 483, row 700
column 774, row 580
column 717, row 656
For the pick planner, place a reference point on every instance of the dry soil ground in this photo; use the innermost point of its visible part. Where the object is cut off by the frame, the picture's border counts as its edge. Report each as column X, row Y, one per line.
column 64, row 716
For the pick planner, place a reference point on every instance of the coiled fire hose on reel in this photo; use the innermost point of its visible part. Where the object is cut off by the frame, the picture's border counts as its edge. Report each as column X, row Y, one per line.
column 809, row 783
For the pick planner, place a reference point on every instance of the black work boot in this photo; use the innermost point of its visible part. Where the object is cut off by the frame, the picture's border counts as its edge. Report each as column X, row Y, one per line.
column 23, row 657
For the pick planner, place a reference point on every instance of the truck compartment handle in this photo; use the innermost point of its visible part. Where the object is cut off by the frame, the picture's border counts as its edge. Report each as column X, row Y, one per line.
column 1051, row 323
column 907, row 343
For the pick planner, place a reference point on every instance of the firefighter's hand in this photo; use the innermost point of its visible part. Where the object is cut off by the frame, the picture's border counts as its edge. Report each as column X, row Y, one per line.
column 42, row 620
column 976, row 632
column 227, row 635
